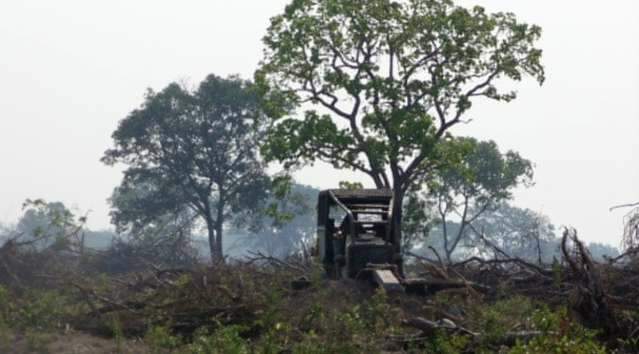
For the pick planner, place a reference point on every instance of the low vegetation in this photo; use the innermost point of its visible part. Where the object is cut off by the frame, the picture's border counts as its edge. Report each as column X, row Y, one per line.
column 61, row 303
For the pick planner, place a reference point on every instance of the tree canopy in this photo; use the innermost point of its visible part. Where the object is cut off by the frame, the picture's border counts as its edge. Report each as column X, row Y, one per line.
column 193, row 150
column 394, row 75
column 383, row 81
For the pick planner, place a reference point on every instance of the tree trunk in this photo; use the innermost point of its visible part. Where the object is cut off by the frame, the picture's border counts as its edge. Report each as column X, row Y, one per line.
column 449, row 255
column 219, row 225
column 210, row 227
column 219, row 229
column 215, row 228
column 396, row 223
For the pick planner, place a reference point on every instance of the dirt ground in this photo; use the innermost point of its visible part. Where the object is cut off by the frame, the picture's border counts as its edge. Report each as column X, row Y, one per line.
column 71, row 342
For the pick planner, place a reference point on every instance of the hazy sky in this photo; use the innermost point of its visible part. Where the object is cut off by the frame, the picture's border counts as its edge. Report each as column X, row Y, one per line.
column 69, row 70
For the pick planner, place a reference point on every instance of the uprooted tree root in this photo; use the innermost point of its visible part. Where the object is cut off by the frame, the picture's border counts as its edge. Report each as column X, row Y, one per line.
column 600, row 294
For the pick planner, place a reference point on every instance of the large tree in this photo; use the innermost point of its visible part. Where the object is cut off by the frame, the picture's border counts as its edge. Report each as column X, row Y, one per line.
column 196, row 150
column 383, row 81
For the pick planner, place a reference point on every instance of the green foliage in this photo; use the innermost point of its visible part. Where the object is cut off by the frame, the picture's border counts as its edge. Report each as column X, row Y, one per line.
column 37, row 342
column 115, row 325
column 5, row 305
column 50, row 224
column 191, row 151
column 378, row 313
column 558, row 332
column 287, row 227
column 270, row 317
column 41, row 216
column 41, row 310
column 386, row 79
column 383, row 82
column 5, row 338
column 499, row 318
column 281, row 194
column 262, row 315
column 350, row 185
column 561, row 335
column 35, row 314
column 34, row 309
column 343, row 332
column 475, row 178
column 442, row 343
column 482, row 172
column 226, row 340
column 353, row 329
column 419, row 218
column 159, row 339
column 5, row 333
column 557, row 273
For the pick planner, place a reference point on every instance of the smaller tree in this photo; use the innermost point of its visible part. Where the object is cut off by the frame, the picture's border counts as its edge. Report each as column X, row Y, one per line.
column 46, row 224
column 630, row 238
column 601, row 251
column 48, row 238
column 193, row 150
column 162, row 237
column 631, row 229
column 5, row 232
column 521, row 233
column 462, row 190
column 288, row 231
column 420, row 219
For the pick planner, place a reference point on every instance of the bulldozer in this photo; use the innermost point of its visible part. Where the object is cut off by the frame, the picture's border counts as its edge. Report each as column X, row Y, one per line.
column 356, row 237
column 356, row 240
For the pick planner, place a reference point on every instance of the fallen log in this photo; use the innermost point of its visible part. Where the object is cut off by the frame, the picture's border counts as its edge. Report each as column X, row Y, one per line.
column 429, row 328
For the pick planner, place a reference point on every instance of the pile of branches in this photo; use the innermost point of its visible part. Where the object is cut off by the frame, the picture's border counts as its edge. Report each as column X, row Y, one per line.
column 27, row 262
column 223, row 294
column 602, row 295
column 140, row 289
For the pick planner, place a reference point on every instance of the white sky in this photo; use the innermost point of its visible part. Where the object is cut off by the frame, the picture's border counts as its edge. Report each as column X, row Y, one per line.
column 71, row 69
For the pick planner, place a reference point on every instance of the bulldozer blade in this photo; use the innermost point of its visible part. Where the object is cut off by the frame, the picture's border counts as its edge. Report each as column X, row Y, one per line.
column 387, row 280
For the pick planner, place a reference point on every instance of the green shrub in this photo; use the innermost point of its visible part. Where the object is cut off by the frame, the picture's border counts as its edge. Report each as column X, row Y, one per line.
column 560, row 345
column 442, row 343
column 42, row 310
column 159, row 339
column 117, row 332
column 496, row 319
column 5, row 337
column 561, row 335
column 37, row 342
column 225, row 340
column 36, row 309
column 5, row 305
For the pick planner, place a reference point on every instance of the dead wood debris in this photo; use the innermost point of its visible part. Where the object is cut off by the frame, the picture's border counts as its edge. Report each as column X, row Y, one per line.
column 430, row 328
column 598, row 292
